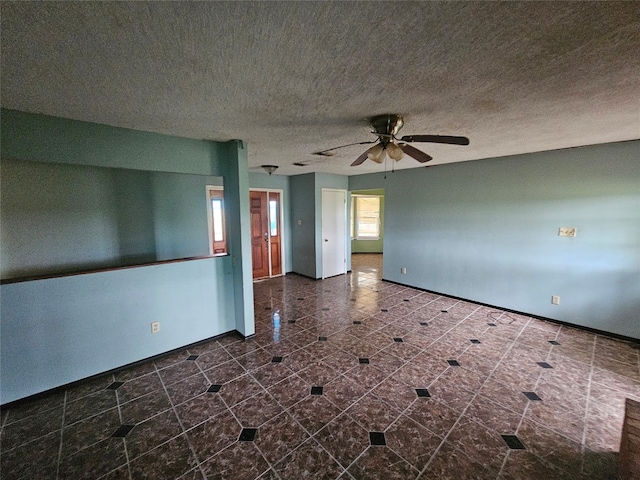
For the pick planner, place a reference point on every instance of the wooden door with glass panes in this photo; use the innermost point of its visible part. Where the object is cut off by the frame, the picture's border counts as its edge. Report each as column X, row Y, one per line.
column 259, row 234
column 266, row 239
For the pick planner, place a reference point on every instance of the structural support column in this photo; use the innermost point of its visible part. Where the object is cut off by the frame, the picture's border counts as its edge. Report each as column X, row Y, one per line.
column 236, row 195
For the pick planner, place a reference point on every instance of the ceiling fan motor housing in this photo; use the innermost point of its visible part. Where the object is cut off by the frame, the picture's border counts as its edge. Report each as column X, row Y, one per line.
column 386, row 126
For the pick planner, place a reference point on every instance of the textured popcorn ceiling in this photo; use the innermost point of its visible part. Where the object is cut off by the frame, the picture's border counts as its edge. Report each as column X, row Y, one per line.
column 294, row 78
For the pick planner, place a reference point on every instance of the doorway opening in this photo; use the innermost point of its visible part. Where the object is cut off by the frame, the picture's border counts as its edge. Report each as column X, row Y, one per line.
column 367, row 228
column 267, row 240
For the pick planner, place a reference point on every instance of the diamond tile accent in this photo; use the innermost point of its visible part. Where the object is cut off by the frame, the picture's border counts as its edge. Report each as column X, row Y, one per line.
column 544, row 364
column 316, row 390
column 532, row 396
column 322, row 339
column 423, row 392
column 357, row 322
column 276, row 360
column 513, row 442
column 492, row 324
column 384, row 310
column 214, row 388
column 475, row 340
column 554, row 342
column 122, row 431
column 377, row 438
column 424, row 324
column 363, row 361
column 398, row 340
column 248, row 434
column 453, row 363
column 115, row 386
column 192, row 358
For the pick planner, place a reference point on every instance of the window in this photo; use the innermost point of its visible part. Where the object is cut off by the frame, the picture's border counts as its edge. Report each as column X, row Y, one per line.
column 217, row 237
column 367, row 217
column 273, row 217
column 216, row 211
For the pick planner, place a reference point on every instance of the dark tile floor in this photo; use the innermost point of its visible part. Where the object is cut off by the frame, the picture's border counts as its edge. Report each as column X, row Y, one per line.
column 363, row 379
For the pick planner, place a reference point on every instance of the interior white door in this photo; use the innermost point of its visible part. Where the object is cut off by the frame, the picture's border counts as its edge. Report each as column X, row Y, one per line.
column 334, row 232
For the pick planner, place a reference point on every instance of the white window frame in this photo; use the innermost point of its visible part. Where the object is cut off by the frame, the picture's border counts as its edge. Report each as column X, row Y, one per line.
column 208, row 188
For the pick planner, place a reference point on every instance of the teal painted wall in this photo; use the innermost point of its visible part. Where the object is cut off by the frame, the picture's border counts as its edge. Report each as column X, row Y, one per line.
column 180, row 214
column 46, row 209
column 306, row 218
column 488, row 231
column 114, row 216
column 43, row 138
column 135, row 222
column 303, row 219
column 370, row 246
column 59, row 330
column 238, row 224
column 279, row 182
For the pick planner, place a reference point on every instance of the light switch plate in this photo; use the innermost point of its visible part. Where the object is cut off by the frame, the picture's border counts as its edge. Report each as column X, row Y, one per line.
column 567, row 232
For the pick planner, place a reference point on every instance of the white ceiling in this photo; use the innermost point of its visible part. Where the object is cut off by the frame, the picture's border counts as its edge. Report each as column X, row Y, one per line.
column 292, row 78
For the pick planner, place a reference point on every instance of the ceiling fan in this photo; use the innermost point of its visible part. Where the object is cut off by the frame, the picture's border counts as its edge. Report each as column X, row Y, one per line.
column 386, row 127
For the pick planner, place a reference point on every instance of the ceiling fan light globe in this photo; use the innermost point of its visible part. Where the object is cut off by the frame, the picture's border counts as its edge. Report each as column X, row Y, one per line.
column 394, row 152
column 376, row 153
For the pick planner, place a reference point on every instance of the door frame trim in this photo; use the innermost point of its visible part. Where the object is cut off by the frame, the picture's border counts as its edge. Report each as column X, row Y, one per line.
column 280, row 191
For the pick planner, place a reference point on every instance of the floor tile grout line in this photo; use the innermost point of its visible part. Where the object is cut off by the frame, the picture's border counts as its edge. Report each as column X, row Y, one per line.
column 5, row 420
column 126, row 450
column 184, row 431
column 586, row 412
column 59, row 460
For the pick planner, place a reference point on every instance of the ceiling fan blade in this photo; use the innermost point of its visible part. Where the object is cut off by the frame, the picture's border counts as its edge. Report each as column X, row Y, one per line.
column 361, row 158
column 419, row 155
column 324, row 152
column 448, row 139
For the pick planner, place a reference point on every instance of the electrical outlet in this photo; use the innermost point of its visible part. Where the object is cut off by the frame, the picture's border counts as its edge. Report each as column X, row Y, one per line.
column 403, row 270
column 155, row 327
column 555, row 299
